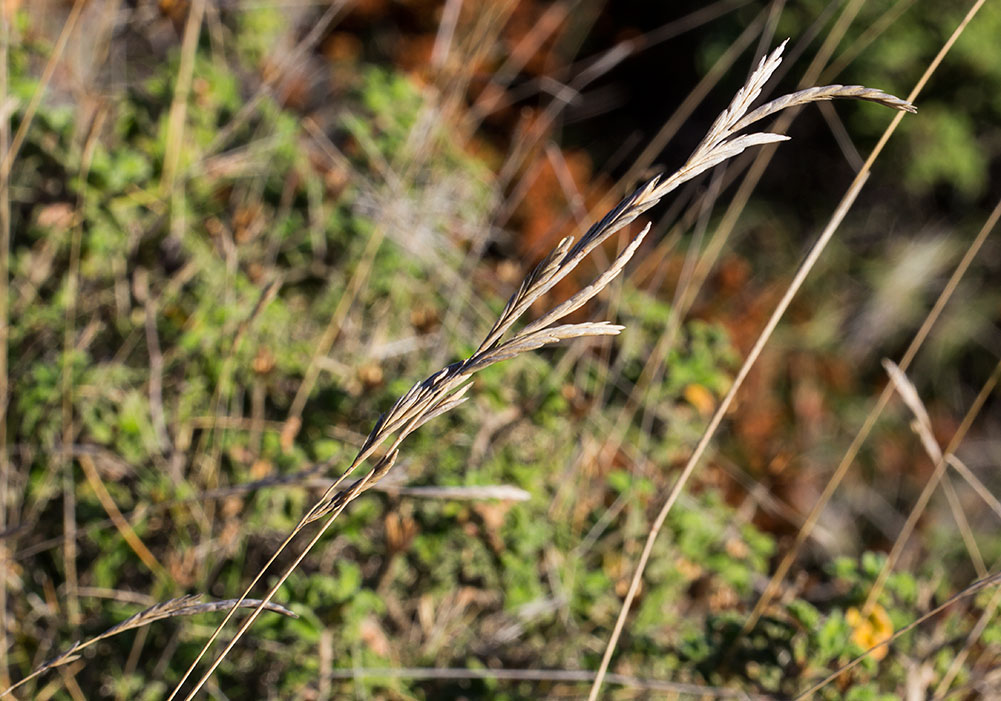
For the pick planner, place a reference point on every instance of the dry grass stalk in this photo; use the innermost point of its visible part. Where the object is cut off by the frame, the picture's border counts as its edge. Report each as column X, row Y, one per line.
column 36, row 98
column 181, row 606
column 922, row 426
column 5, row 474
column 930, row 486
column 445, row 389
column 771, row 589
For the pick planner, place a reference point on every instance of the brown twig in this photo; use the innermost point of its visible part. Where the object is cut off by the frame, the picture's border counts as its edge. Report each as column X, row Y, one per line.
column 110, row 508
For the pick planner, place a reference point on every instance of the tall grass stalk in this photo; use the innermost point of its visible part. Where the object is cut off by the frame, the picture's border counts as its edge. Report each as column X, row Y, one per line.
column 870, row 421
column 4, row 320
column 444, row 390
column 836, row 218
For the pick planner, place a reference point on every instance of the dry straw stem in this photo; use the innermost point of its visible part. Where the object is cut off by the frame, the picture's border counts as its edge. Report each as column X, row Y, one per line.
column 43, row 83
column 923, row 428
column 4, row 331
column 921, row 425
column 986, row 616
column 734, row 118
column 68, row 421
column 870, row 421
column 445, row 389
column 181, row 606
column 111, row 508
column 932, row 484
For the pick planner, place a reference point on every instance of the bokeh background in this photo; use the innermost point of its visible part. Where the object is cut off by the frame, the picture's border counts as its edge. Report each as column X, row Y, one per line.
column 239, row 229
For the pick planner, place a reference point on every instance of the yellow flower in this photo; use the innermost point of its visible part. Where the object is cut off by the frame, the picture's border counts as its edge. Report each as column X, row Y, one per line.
column 872, row 630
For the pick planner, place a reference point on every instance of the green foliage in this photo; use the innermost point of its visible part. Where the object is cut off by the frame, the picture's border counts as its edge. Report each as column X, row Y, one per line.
column 178, row 373
column 949, row 153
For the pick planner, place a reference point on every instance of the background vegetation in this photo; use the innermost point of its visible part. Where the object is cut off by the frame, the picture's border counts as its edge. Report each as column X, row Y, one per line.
column 237, row 231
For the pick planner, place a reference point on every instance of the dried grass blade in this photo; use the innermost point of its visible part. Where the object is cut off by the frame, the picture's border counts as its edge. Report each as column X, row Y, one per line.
column 726, row 150
column 724, row 124
column 586, row 294
column 181, row 606
column 826, row 92
column 538, row 339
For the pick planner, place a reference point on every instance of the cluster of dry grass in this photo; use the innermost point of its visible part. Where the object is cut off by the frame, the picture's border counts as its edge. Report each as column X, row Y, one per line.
column 448, row 388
